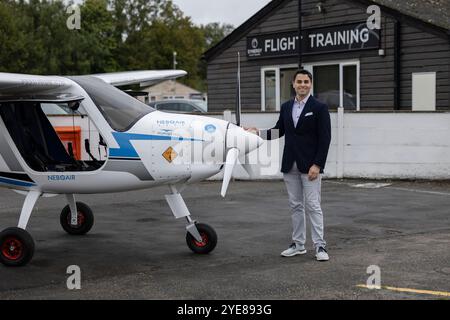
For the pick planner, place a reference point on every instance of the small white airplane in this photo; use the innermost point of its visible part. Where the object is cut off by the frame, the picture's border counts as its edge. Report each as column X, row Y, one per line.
column 144, row 148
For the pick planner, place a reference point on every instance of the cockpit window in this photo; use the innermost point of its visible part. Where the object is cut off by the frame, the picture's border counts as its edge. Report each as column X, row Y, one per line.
column 120, row 110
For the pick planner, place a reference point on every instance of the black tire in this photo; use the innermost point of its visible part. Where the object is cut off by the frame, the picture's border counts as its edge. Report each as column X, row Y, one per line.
column 209, row 237
column 16, row 247
column 85, row 219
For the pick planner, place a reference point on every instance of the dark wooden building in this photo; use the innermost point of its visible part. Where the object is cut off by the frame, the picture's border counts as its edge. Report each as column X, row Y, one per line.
column 399, row 62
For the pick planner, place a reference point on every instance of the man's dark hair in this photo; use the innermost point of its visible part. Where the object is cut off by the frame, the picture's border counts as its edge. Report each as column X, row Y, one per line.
column 303, row 71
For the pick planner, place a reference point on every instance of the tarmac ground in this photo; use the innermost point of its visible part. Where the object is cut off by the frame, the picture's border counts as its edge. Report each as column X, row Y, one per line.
column 137, row 250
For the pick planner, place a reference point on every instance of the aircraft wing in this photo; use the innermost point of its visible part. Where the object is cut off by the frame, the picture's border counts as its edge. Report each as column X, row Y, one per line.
column 12, row 83
column 144, row 78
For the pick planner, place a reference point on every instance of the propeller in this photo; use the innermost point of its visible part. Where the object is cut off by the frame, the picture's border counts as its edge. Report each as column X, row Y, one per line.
column 230, row 163
column 238, row 142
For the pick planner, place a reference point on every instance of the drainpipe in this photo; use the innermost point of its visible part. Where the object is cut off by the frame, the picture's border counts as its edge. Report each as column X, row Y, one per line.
column 300, row 42
column 397, row 65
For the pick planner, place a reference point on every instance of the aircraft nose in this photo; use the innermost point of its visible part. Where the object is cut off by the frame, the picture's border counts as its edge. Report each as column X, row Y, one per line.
column 238, row 142
column 243, row 140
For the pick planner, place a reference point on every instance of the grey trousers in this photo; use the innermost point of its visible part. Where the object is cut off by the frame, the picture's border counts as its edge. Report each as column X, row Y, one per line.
column 304, row 195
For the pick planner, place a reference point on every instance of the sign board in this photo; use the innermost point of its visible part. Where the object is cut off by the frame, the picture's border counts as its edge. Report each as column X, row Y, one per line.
column 341, row 38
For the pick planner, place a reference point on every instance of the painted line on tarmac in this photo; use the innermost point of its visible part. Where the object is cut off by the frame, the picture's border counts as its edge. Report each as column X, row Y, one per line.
column 428, row 292
column 388, row 187
column 421, row 191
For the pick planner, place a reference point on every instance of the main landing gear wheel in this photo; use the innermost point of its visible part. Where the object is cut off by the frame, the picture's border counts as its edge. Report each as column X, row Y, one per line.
column 16, row 247
column 85, row 219
column 209, row 239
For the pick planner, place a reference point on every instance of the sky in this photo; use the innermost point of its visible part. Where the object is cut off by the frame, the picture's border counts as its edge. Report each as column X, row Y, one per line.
column 233, row 12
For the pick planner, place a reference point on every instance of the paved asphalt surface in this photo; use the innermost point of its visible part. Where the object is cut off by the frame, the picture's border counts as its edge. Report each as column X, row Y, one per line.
column 137, row 250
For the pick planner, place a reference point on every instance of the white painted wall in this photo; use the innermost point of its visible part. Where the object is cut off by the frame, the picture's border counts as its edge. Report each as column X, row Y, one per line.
column 375, row 145
column 370, row 145
column 397, row 145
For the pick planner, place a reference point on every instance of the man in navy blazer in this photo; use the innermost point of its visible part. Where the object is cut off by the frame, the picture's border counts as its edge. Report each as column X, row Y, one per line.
column 305, row 124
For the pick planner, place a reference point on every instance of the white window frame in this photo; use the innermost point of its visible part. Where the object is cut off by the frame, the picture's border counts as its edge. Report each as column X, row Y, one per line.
column 342, row 64
column 275, row 68
column 174, row 97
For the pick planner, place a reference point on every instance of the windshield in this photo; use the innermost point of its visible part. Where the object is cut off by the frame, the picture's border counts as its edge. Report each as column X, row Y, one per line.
column 119, row 109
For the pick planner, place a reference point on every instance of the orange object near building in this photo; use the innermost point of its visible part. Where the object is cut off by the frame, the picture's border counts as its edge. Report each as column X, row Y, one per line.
column 71, row 134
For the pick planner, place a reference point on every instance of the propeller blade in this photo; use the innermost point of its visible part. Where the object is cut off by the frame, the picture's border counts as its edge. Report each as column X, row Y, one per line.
column 230, row 162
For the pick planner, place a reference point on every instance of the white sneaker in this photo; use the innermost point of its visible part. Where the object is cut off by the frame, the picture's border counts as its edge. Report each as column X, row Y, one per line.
column 293, row 250
column 322, row 255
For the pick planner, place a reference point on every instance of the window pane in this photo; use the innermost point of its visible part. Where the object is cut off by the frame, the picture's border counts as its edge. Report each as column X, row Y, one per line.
column 326, row 85
column 168, row 106
column 350, row 89
column 186, row 107
column 56, row 109
column 286, row 90
column 270, row 86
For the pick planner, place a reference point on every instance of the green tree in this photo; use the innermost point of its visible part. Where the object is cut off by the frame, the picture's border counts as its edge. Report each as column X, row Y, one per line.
column 96, row 45
column 13, row 52
column 165, row 32
column 215, row 32
column 115, row 35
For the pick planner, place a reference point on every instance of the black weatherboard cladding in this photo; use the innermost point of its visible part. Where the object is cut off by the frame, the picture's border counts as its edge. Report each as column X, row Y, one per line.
column 424, row 42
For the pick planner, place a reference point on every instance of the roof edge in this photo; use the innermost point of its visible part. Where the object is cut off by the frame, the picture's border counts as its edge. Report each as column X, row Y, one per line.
column 247, row 25
column 242, row 29
column 404, row 17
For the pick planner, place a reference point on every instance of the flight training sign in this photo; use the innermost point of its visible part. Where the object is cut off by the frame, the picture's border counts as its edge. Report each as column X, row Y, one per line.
column 340, row 38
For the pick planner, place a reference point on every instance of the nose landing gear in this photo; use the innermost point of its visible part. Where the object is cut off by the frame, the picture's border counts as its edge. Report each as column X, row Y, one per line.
column 209, row 239
column 84, row 219
column 200, row 237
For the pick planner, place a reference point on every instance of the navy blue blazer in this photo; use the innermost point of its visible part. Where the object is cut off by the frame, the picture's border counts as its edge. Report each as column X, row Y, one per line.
column 308, row 143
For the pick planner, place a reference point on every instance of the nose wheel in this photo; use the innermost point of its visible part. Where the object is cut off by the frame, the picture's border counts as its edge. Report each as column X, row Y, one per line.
column 16, row 247
column 84, row 223
column 209, row 239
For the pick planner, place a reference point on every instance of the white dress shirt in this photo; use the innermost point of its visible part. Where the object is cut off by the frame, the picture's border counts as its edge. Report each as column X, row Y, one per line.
column 298, row 109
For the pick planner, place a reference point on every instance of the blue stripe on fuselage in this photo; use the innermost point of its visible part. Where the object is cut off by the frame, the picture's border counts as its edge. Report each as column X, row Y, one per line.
column 16, row 182
column 127, row 150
